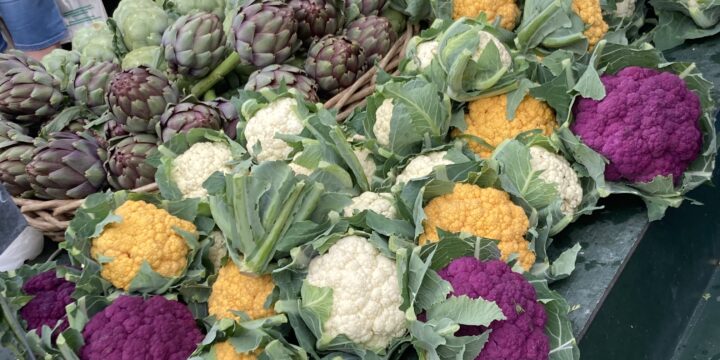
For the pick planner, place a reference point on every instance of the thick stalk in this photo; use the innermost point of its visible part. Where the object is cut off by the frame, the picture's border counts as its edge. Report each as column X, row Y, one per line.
column 16, row 327
column 525, row 36
column 556, row 42
column 216, row 75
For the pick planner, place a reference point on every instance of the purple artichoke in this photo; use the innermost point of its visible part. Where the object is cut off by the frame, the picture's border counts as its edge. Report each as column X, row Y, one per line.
column 194, row 45
column 137, row 98
column 374, row 34
column 90, row 84
column 14, row 156
column 230, row 116
column 185, row 116
column 364, row 7
column 50, row 297
column 272, row 76
column 28, row 92
column 9, row 130
column 67, row 166
column 113, row 129
column 126, row 166
column 264, row 32
column 335, row 62
column 316, row 18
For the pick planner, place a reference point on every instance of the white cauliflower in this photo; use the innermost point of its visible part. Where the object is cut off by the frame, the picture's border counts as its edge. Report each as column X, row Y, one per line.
column 383, row 118
column 367, row 162
column 485, row 39
column 624, row 8
column 278, row 117
column 217, row 250
column 297, row 168
column 425, row 52
column 557, row 170
column 381, row 203
column 366, row 293
column 422, row 165
column 194, row 166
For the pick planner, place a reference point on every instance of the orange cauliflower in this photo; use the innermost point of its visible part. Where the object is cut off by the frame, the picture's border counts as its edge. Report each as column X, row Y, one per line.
column 508, row 10
column 225, row 351
column 487, row 120
column 145, row 234
column 234, row 290
column 483, row 212
column 591, row 14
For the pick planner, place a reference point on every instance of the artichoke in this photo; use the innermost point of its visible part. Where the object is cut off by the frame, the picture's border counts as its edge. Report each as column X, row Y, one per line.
column 264, row 32
column 68, row 166
column 90, row 85
column 27, row 91
column 363, row 7
column 60, row 63
column 194, row 45
column 138, row 96
column 185, row 116
column 14, row 156
column 229, row 114
column 94, row 43
column 335, row 62
column 126, row 166
column 316, row 18
column 9, row 130
column 141, row 22
column 274, row 75
column 374, row 34
column 185, row 7
column 112, row 129
column 150, row 56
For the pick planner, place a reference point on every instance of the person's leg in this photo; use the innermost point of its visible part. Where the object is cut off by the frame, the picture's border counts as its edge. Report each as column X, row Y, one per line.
column 36, row 26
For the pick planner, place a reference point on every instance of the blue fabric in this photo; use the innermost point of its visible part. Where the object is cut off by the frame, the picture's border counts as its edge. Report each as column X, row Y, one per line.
column 12, row 222
column 32, row 24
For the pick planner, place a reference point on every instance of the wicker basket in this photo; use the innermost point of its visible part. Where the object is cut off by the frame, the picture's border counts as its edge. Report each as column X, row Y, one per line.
column 52, row 217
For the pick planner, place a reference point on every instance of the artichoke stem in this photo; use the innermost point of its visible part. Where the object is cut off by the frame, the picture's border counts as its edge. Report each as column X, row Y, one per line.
column 216, row 75
column 210, row 95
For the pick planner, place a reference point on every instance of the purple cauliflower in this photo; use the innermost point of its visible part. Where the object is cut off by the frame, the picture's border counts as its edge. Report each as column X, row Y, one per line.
column 522, row 334
column 50, row 296
column 135, row 328
column 646, row 126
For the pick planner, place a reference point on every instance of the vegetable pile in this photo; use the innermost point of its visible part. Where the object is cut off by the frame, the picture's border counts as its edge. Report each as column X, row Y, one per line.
column 419, row 227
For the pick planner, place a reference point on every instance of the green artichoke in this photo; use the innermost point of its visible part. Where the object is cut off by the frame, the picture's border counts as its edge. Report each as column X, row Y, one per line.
column 316, row 18
column 9, row 130
column 185, row 7
column 141, row 22
column 274, row 75
column 61, row 63
column 150, row 56
column 94, row 43
column 264, row 32
column 90, row 85
column 126, row 166
column 230, row 116
column 182, row 117
column 335, row 62
column 194, row 45
column 137, row 98
column 355, row 8
column 374, row 34
column 68, row 166
column 14, row 156
column 28, row 92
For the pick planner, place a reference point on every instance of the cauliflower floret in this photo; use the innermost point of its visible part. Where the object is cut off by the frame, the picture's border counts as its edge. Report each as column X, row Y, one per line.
column 383, row 119
column 591, row 14
column 217, row 250
column 237, row 291
column 422, row 165
column 366, row 293
column 508, row 10
column 278, row 117
column 425, row 53
column 624, row 8
column 194, row 166
column 556, row 170
column 381, row 203
column 367, row 162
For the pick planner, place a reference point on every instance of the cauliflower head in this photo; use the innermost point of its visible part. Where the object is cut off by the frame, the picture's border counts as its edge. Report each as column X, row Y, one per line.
column 367, row 162
column 507, row 10
column 50, row 296
column 422, row 165
column 486, row 119
column 218, row 249
column 381, row 203
column 591, row 14
column 484, row 212
column 134, row 328
column 383, row 120
column 225, row 351
column 425, row 52
column 191, row 168
column 625, row 8
column 647, row 125
column 145, row 234
column 278, row 117
column 486, row 38
column 557, row 170
column 522, row 334
column 234, row 290
column 366, row 292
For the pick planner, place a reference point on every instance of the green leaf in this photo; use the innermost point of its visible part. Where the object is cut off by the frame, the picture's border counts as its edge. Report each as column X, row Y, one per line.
column 466, row 311
column 518, row 178
column 558, row 328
